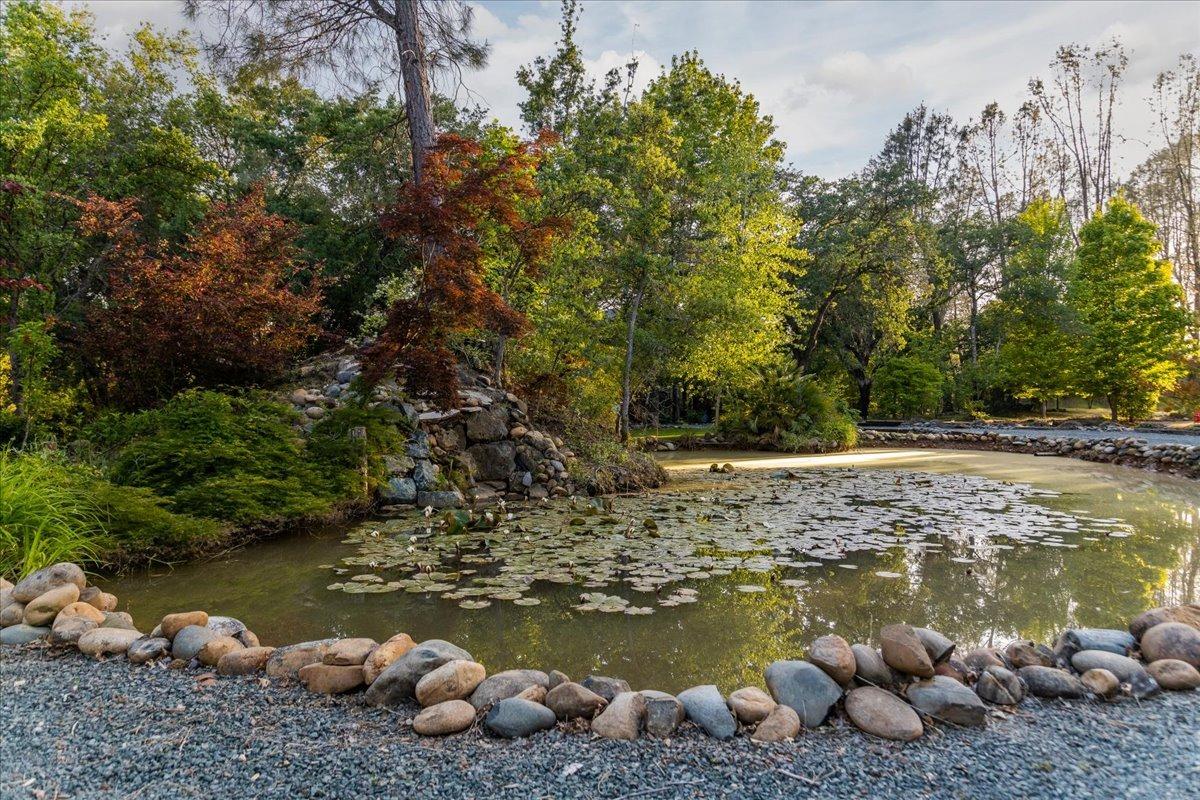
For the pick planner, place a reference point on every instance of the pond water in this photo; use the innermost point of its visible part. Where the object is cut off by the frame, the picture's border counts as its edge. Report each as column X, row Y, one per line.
column 717, row 575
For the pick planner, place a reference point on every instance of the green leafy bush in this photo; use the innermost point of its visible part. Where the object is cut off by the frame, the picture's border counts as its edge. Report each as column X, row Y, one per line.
column 789, row 411
column 908, row 387
column 140, row 528
column 235, row 458
column 334, row 443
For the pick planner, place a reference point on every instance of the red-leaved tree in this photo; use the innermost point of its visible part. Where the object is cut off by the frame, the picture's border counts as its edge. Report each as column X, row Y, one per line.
column 468, row 204
column 223, row 309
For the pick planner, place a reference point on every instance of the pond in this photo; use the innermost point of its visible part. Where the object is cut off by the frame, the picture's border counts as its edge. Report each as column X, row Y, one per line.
column 717, row 575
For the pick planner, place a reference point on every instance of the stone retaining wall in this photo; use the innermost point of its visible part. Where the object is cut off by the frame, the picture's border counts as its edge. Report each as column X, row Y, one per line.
column 1175, row 459
column 482, row 450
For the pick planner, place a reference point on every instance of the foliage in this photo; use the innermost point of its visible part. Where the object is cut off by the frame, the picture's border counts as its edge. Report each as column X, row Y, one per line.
column 788, row 410
column 1131, row 317
column 1037, row 346
column 220, row 311
column 907, row 387
column 231, row 458
column 139, row 526
column 44, row 518
column 467, row 201
column 357, row 461
column 34, row 351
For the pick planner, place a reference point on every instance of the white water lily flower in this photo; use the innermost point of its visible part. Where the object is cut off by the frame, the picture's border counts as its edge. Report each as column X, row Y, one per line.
column 428, row 512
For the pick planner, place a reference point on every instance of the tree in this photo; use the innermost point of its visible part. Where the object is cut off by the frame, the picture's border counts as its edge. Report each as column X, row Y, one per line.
column 469, row 201
column 1131, row 316
column 219, row 311
column 1037, row 345
column 412, row 41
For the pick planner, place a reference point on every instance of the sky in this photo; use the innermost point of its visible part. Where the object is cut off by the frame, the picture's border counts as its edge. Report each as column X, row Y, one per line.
column 834, row 76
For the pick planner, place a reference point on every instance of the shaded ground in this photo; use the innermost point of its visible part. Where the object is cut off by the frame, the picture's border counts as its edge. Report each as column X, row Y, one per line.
column 73, row 728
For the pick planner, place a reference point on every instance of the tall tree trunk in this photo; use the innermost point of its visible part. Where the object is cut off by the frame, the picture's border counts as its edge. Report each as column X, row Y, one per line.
column 1112, row 408
column 627, row 376
column 864, row 396
column 414, row 74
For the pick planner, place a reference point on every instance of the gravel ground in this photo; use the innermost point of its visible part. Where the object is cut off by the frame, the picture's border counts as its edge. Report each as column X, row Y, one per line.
column 74, row 728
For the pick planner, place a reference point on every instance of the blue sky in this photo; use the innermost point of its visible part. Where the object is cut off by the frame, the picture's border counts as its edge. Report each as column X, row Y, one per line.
column 835, row 76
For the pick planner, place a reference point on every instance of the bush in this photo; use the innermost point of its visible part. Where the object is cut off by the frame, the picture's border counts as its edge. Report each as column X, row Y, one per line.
column 789, row 411
column 220, row 311
column 385, row 431
column 235, row 458
column 140, row 528
column 44, row 518
column 907, row 387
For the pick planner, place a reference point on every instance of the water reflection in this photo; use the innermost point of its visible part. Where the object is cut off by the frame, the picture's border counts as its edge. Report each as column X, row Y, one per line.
column 998, row 588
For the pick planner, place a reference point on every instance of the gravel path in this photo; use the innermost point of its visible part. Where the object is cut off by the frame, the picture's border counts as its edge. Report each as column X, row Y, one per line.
column 73, row 728
column 1152, row 437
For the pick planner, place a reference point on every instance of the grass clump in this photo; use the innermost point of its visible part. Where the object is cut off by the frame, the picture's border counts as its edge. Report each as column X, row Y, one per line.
column 44, row 518
column 785, row 410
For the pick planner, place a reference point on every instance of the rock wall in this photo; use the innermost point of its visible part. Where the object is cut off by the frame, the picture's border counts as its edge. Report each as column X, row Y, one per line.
column 482, row 450
column 1177, row 459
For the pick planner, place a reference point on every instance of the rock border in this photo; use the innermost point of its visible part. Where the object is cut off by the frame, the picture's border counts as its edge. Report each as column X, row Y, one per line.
column 1175, row 459
column 914, row 679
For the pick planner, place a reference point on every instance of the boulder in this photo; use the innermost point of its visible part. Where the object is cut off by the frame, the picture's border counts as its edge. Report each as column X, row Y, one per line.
column 188, row 642
column 385, row 655
column 1028, row 654
column 286, row 662
column 514, row 717
column 664, row 713
column 946, row 700
column 1048, row 682
column 443, row 719
column 869, row 667
column 451, row 498
column 903, row 651
column 1100, row 682
column 556, row 678
column 1187, row 614
column 535, row 693
column 330, row 679
column 81, row 609
column 102, row 601
column 805, row 688
column 1176, row 640
column 349, row 652
column 751, row 705
column 399, row 681
column 107, row 641
column 881, row 713
column 42, row 610
column 571, row 701
column 21, row 633
column 173, row 623
column 246, row 661
column 147, row 649
column 1074, row 640
column 937, row 646
column 1125, row 668
column 1000, row 686
column 622, row 718
column 984, row 657
column 503, row 685
column 705, row 706
column 248, row 638
column 953, row 668
column 781, row 725
column 489, row 425
column 832, row 653
column 399, row 490
column 1174, row 675
column 608, row 688
column 118, row 619
column 226, row 626
column 494, row 461
column 12, row 614
column 67, row 630
column 454, row 680
column 38, row 583
column 213, row 650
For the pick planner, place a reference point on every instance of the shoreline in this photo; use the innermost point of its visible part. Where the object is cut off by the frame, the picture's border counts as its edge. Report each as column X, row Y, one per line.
column 107, row 730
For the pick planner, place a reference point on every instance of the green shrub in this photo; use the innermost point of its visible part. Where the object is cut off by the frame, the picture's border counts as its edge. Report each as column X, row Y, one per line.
column 140, row 528
column 235, row 458
column 789, row 411
column 331, row 443
column 44, row 518
column 907, row 387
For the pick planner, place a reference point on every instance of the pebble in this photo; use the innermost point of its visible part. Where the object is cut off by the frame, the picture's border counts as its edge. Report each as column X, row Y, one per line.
column 349, row 652
column 1126, row 669
column 107, row 641
column 869, row 667
column 188, row 642
column 41, row 610
column 330, row 679
column 1000, row 686
column 21, row 633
